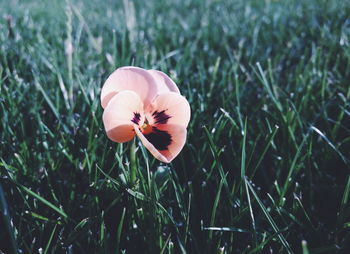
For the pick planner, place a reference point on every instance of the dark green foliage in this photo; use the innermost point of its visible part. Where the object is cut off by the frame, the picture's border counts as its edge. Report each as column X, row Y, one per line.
column 266, row 165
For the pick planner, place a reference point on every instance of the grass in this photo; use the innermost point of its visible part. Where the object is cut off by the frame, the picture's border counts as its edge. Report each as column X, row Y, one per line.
column 266, row 165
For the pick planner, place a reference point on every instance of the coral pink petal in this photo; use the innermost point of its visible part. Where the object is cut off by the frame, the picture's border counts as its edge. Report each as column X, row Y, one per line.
column 164, row 83
column 169, row 108
column 123, row 111
column 164, row 143
column 129, row 78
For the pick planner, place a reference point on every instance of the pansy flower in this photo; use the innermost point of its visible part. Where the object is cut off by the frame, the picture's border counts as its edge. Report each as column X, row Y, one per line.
column 146, row 103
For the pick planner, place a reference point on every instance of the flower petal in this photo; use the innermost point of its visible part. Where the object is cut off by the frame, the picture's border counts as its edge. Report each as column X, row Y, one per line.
column 169, row 108
column 123, row 111
column 165, row 142
column 164, row 83
column 129, row 78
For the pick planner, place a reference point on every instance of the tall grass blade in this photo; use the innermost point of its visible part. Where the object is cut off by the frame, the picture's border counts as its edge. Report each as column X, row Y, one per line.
column 50, row 240
column 43, row 200
column 8, row 230
column 269, row 218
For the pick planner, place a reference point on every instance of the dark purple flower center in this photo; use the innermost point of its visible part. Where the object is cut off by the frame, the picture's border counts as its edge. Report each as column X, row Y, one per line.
column 160, row 117
column 159, row 139
column 136, row 118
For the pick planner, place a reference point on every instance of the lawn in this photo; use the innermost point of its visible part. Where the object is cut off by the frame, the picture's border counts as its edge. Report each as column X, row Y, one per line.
column 266, row 165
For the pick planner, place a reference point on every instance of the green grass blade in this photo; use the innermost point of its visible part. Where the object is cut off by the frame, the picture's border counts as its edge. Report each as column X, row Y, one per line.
column 9, row 231
column 292, row 170
column 243, row 157
column 119, row 230
column 251, row 213
column 215, row 207
column 44, row 201
column 304, row 247
column 344, row 204
column 50, row 240
column 48, row 100
column 165, row 244
column 269, row 218
column 266, row 148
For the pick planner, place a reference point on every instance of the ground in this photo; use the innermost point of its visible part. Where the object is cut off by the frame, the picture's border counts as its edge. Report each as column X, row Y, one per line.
column 265, row 168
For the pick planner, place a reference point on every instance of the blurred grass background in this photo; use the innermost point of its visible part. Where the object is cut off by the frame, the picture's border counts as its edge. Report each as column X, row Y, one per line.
column 266, row 165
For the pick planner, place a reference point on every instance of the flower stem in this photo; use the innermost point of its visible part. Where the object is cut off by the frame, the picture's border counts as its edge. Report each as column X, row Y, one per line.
column 133, row 163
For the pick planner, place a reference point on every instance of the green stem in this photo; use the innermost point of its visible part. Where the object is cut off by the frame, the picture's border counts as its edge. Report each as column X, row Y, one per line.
column 133, row 163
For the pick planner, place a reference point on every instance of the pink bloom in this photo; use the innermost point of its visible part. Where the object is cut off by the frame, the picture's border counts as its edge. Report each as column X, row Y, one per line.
column 146, row 103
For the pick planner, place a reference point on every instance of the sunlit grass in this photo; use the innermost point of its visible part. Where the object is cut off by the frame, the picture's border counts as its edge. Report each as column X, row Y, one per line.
column 266, row 165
